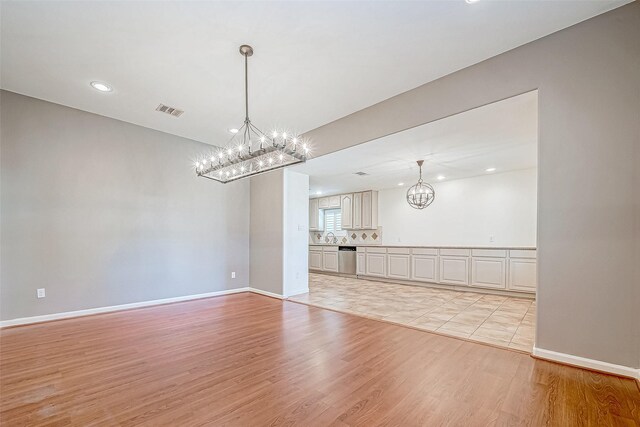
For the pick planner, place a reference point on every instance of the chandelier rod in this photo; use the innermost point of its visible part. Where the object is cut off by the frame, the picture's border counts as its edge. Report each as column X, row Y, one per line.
column 246, row 87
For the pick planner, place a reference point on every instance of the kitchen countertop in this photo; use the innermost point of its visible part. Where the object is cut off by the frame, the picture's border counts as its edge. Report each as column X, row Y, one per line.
column 430, row 246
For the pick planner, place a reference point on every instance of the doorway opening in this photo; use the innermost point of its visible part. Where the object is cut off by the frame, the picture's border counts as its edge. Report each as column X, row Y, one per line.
column 463, row 266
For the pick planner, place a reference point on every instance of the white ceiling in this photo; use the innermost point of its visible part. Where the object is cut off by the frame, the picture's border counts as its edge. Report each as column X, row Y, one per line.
column 502, row 135
column 314, row 62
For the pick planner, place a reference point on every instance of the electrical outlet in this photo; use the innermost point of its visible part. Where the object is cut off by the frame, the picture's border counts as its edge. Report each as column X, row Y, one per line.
column 41, row 293
column 233, row 274
column 492, row 239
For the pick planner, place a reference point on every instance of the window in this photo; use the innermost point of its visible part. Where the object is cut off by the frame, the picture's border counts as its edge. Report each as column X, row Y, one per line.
column 333, row 222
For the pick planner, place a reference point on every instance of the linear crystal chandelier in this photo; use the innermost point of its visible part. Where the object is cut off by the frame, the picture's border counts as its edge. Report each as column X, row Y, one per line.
column 250, row 151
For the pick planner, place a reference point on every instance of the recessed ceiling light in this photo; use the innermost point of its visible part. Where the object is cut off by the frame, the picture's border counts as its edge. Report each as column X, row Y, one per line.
column 318, row 192
column 102, row 87
column 401, row 184
column 233, row 130
column 472, row 1
column 440, row 177
column 490, row 169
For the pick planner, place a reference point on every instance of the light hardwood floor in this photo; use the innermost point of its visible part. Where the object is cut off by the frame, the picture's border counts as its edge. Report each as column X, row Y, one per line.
column 250, row 360
column 492, row 319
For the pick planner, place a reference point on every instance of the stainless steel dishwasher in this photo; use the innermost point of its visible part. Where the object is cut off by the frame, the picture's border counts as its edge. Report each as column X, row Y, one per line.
column 347, row 260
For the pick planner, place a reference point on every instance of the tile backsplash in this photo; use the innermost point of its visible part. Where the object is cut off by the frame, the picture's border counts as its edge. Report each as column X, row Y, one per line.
column 353, row 237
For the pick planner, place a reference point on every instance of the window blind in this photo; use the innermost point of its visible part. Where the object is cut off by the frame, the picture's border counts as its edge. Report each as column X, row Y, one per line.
column 333, row 221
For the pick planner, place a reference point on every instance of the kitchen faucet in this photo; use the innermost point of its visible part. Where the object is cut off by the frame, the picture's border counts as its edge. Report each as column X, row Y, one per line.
column 334, row 239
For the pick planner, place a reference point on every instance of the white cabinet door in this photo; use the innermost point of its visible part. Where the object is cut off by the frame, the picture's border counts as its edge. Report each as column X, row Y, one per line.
column 424, row 268
column 334, row 202
column 454, row 270
column 376, row 264
column 357, row 211
column 523, row 274
column 315, row 260
column 330, row 261
column 489, row 272
column 314, row 223
column 398, row 266
column 366, row 210
column 346, row 210
column 323, row 203
column 369, row 210
column 361, row 264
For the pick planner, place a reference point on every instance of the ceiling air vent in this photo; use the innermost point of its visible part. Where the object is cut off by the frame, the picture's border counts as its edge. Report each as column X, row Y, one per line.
column 169, row 110
column 361, row 173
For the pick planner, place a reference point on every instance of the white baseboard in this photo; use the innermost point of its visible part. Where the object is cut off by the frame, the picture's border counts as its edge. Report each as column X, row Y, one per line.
column 87, row 312
column 98, row 310
column 269, row 294
column 583, row 362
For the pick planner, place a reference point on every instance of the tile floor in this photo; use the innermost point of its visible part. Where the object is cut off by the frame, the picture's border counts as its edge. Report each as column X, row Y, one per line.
column 494, row 319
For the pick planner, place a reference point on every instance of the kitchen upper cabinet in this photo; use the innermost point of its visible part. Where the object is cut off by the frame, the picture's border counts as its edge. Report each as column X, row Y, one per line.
column 346, row 210
column 315, row 259
column 357, row 211
column 369, row 210
column 316, row 222
column 329, row 202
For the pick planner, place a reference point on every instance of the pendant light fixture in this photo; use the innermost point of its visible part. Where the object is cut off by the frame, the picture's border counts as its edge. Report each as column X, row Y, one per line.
column 422, row 194
column 250, row 151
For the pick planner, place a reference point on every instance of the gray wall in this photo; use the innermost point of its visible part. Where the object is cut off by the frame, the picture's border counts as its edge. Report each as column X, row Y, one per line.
column 101, row 212
column 588, row 78
column 267, row 233
column 280, row 232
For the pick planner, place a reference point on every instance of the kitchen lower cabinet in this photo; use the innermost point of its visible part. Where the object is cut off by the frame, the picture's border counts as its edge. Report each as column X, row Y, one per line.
column 315, row 259
column 424, row 268
column 489, row 272
column 376, row 262
column 398, row 263
column 454, row 266
column 330, row 259
column 487, row 268
column 361, row 263
column 522, row 274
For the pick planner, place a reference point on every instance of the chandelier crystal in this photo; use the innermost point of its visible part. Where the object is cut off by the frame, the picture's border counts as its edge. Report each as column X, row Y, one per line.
column 250, row 151
column 422, row 194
